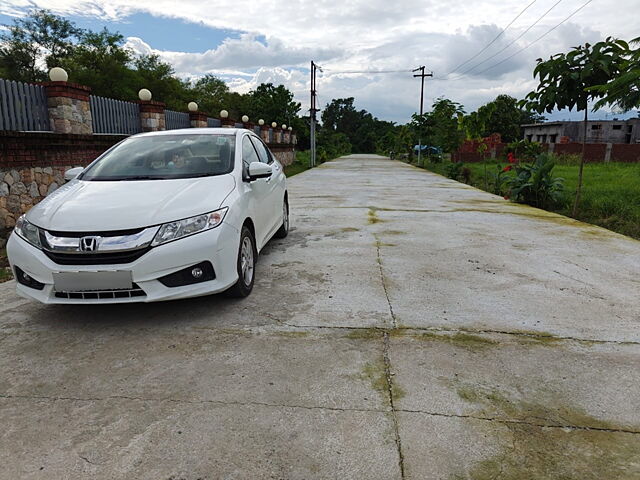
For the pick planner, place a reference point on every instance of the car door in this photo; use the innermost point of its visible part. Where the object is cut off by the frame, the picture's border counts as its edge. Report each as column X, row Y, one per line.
column 259, row 191
column 275, row 194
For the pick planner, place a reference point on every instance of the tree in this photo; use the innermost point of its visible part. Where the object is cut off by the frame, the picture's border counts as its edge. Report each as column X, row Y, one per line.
column 624, row 90
column 97, row 60
column 566, row 80
column 273, row 104
column 360, row 127
column 504, row 116
column 159, row 77
column 40, row 36
column 210, row 93
column 443, row 124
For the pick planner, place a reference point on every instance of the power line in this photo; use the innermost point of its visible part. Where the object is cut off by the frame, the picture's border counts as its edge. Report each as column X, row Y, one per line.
column 328, row 73
column 512, row 42
column 536, row 40
column 494, row 39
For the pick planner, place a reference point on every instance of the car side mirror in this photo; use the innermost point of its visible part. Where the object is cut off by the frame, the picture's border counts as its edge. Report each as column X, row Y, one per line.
column 259, row 170
column 72, row 173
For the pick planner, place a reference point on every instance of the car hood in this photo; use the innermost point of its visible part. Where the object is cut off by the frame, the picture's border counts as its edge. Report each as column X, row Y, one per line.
column 85, row 206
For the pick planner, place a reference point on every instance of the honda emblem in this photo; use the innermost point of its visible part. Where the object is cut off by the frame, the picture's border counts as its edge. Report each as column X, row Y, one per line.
column 89, row 244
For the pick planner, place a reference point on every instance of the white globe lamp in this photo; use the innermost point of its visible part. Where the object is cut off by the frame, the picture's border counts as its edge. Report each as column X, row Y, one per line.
column 144, row 95
column 192, row 106
column 57, row 74
column 245, row 119
column 261, row 122
column 274, row 124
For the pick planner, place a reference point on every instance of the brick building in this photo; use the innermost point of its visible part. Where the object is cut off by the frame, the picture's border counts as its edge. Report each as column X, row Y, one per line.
column 598, row 131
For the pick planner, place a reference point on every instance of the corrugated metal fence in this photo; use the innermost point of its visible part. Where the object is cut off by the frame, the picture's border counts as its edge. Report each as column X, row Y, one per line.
column 114, row 116
column 23, row 107
column 213, row 122
column 174, row 120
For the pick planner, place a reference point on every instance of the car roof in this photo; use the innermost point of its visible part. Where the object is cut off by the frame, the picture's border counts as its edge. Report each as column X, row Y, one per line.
column 198, row 131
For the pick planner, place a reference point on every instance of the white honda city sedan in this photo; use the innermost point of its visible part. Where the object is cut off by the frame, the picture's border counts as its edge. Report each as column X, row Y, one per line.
column 159, row 216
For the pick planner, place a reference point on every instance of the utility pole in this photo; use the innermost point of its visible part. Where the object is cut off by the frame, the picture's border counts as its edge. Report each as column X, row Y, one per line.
column 313, row 110
column 421, row 75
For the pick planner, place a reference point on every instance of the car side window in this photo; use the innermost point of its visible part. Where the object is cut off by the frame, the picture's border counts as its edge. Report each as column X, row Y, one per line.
column 263, row 153
column 249, row 155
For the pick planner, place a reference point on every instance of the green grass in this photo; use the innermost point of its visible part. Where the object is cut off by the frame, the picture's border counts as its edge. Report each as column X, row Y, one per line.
column 610, row 192
column 300, row 165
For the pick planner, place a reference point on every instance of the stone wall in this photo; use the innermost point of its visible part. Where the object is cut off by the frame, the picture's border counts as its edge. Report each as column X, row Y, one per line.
column 286, row 155
column 69, row 109
column 32, row 165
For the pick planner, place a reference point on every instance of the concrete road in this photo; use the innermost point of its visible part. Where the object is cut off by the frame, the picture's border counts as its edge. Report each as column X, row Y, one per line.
column 409, row 327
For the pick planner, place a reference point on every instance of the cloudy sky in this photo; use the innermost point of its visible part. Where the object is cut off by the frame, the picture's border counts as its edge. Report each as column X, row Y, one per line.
column 249, row 42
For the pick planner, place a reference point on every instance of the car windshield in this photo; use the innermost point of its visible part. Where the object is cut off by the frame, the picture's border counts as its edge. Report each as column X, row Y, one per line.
column 163, row 157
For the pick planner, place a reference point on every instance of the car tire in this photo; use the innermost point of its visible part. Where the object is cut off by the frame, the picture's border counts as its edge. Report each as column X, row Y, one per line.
column 283, row 231
column 246, row 265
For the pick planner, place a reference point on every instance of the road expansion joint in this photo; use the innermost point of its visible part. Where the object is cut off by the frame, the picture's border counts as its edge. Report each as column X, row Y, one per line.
column 384, row 282
column 390, row 391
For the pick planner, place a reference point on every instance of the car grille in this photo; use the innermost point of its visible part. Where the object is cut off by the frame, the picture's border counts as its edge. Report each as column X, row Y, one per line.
column 106, row 233
column 105, row 258
column 135, row 291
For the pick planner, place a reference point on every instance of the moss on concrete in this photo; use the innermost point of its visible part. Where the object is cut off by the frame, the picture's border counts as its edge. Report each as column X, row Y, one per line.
column 532, row 450
column 375, row 372
column 365, row 334
column 372, row 216
column 461, row 340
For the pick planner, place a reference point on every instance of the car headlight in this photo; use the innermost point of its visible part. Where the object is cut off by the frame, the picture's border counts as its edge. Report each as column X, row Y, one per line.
column 189, row 226
column 28, row 231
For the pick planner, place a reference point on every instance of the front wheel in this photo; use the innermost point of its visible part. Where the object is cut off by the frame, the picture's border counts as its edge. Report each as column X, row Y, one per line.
column 283, row 231
column 245, row 265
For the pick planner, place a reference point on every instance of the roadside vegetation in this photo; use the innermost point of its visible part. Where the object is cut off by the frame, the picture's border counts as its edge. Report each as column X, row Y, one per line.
column 300, row 164
column 5, row 271
column 610, row 195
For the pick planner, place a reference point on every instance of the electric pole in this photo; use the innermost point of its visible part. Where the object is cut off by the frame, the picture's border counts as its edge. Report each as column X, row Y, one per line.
column 313, row 110
column 422, row 75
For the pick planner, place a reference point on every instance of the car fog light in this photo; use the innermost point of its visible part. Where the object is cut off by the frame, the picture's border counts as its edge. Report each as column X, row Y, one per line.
column 27, row 280
column 200, row 272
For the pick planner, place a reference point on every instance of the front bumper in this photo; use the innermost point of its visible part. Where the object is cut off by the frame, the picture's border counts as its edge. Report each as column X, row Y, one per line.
column 218, row 246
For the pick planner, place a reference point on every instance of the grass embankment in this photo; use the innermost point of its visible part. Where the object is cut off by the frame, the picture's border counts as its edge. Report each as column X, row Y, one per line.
column 299, row 165
column 610, row 192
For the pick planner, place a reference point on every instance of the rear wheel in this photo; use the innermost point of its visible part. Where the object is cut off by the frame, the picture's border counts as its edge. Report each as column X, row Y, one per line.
column 284, row 228
column 245, row 265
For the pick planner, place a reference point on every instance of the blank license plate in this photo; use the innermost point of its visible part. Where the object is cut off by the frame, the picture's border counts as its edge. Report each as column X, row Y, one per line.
column 84, row 281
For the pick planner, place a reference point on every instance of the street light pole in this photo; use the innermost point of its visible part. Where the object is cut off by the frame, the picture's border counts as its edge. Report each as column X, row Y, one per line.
column 312, row 116
column 421, row 75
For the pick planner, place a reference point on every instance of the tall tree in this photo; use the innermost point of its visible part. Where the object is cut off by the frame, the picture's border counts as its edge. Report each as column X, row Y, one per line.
column 210, row 93
column 40, row 40
column 160, row 78
column 566, row 80
column 443, row 128
column 273, row 104
column 98, row 60
column 504, row 116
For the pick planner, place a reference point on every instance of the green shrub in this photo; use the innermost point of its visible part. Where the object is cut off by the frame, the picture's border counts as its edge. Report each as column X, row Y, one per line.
column 454, row 170
column 524, row 149
column 534, row 185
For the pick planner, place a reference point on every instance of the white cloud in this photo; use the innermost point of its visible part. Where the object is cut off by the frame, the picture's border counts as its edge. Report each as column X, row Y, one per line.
column 365, row 35
column 245, row 52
